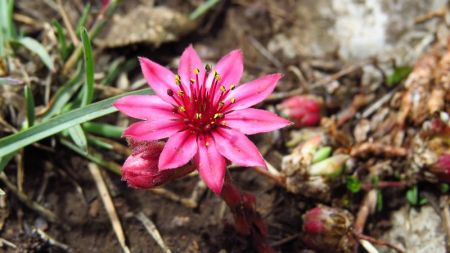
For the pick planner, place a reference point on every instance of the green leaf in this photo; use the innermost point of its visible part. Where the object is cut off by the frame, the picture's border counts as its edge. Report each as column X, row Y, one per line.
column 353, row 184
column 88, row 94
column 62, row 41
column 36, row 47
column 203, row 8
column 38, row 132
column 379, row 201
column 77, row 135
column 444, row 188
column 63, row 95
column 104, row 130
column 113, row 71
column 31, row 116
column 4, row 160
column 93, row 156
column 399, row 74
column 84, row 16
column 322, row 154
column 412, row 195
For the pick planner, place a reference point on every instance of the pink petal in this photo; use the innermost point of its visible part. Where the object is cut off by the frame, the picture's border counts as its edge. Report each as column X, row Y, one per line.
column 252, row 121
column 253, row 92
column 160, row 78
column 144, row 107
column 211, row 165
column 179, row 150
column 237, row 148
column 188, row 62
column 230, row 69
column 153, row 130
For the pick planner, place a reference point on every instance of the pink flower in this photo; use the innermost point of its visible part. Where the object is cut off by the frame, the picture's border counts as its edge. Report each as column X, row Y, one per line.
column 140, row 170
column 303, row 110
column 204, row 114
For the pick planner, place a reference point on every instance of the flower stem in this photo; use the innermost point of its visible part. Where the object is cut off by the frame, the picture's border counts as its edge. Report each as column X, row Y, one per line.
column 248, row 222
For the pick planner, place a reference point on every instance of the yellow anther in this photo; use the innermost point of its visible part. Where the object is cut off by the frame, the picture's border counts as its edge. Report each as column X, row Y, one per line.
column 207, row 143
column 180, row 93
column 218, row 115
column 198, row 115
column 181, row 109
column 216, row 76
column 221, row 104
column 192, row 81
column 232, row 87
column 232, row 100
column 222, row 88
column 177, row 79
column 196, row 71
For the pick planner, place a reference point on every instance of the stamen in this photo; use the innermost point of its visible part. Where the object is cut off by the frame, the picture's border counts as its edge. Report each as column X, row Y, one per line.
column 221, row 104
column 218, row 115
column 170, row 92
column 222, row 88
column 192, row 81
column 180, row 93
column 232, row 100
column 232, row 87
column 177, row 79
column 216, row 76
column 207, row 68
column 181, row 109
column 198, row 115
column 196, row 71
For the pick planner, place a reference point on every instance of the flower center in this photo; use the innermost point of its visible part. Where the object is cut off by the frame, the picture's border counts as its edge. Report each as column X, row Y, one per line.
column 203, row 103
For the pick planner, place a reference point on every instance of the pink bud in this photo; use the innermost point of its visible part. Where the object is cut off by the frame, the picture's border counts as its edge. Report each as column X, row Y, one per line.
column 140, row 170
column 105, row 4
column 303, row 110
column 442, row 167
column 327, row 228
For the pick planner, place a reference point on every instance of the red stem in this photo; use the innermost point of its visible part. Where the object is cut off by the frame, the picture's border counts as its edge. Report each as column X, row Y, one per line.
column 248, row 222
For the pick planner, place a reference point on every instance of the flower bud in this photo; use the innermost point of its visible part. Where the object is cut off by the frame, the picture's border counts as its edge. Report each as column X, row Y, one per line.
column 442, row 168
column 326, row 228
column 140, row 170
column 302, row 110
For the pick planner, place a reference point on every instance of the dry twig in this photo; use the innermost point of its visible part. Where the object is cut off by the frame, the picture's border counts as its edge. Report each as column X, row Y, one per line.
column 109, row 205
column 153, row 231
column 44, row 212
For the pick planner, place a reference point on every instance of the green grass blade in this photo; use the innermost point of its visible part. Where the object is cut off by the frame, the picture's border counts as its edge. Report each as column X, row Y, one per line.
column 88, row 93
column 62, row 41
column 84, row 16
column 93, row 156
column 36, row 47
column 104, row 130
column 203, row 8
column 4, row 160
column 63, row 95
column 38, row 132
column 29, row 100
column 113, row 71
column 77, row 135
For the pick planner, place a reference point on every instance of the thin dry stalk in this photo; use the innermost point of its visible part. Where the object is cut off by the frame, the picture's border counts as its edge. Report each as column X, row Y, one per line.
column 44, row 212
column 109, row 205
column 67, row 24
column 153, row 231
